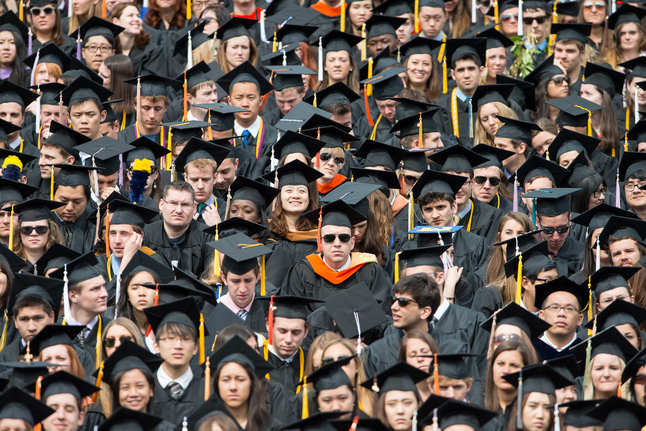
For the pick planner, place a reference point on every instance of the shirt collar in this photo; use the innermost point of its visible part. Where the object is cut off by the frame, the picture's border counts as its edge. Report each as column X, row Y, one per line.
column 461, row 95
column 545, row 339
column 184, row 380
column 210, row 201
column 115, row 263
column 226, row 300
column 346, row 265
column 254, row 128
column 465, row 210
column 15, row 144
column 288, row 360
column 191, row 117
column 444, row 305
column 73, row 322
column 439, row 37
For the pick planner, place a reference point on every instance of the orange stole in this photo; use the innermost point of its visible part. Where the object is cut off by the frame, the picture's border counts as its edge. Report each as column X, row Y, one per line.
column 399, row 204
column 357, row 260
column 326, row 10
column 327, row 188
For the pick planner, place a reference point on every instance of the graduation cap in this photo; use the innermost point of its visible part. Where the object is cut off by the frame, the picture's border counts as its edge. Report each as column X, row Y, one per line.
column 235, row 27
column 49, row 289
column 282, row 13
column 245, row 73
column 183, row 131
column 609, row 277
column 415, row 160
column 258, row 193
column 392, row 8
column 197, row 37
column 65, row 383
column 619, row 227
column 330, row 376
column 597, row 217
column 424, row 256
column 387, row 84
column 79, row 270
column 494, row 155
column 105, row 153
column 333, row 136
column 337, row 213
column 183, row 311
column 568, row 8
column 460, row 413
column 295, row 33
column 289, row 307
column 418, row 45
column 145, row 149
column 336, row 40
column 221, row 117
column 379, row 154
column 96, row 26
column 237, row 350
column 411, row 125
column 198, row 148
column 386, row 180
column 551, row 202
column 296, row 143
column 235, row 225
column 18, row 404
column 335, row 93
column 110, row 115
column 520, row 243
column 379, row 25
column 315, row 422
column 380, row 63
column 142, row 262
column 9, row 21
column 153, row 85
column 131, row 420
column 288, row 76
column 66, row 138
column 637, row 66
column 10, row 92
column 361, row 424
column 78, row 69
column 74, row 175
column 458, row 159
column 458, row 48
column 196, row 75
column 524, row 93
column 609, row 341
column 544, row 71
column 316, row 121
column 452, row 365
column 578, row 32
column 619, row 414
column 568, row 140
column 399, row 377
column 561, row 284
column 495, row 39
column 24, row 374
column 630, row 164
column 294, row 173
column 355, row 311
column 567, row 366
column 536, row 166
column 241, row 253
column 433, row 181
column 632, row 366
column 54, row 335
column 619, row 313
column 491, row 93
column 130, row 356
column 286, row 56
column 535, row 259
column 34, row 209
column 84, row 88
column 575, row 111
column 220, row 318
column 128, row 213
column 14, row 191
column 516, row 129
column 354, row 194
column 186, row 284
column 626, row 13
column 12, row 163
column 540, row 378
column 515, row 315
column 611, row 81
column 14, row 261
column 49, row 53
column 214, row 406
column 7, row 128
column 637, row 132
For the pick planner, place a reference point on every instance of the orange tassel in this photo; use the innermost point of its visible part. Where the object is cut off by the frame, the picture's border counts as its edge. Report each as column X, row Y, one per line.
column 39, row 384
column 318, row 235
column 104, row 9
column 436, row 374
column 365, row 97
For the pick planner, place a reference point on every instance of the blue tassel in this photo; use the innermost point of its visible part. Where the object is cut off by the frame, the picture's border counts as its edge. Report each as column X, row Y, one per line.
column 138, row 186
column 12, row 172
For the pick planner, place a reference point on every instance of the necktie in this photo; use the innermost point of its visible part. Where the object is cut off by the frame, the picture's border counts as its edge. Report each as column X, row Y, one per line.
column 469, row 102
column 175, row 389
column 243, row 314
column 433, row 322
column 456, row 219
column 245, row 137
column 200, row 210
column 67, row 231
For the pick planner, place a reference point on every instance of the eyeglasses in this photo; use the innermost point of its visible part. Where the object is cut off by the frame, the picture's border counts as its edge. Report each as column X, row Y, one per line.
column 35, row 11
column 402, row 302
column 598, row 5
column 109, row 342
column 560, row 80
column 492, row 180
column 467, row 183
column 206, row 20
column 630, row 187
column 597, row 193
column 542, row 280
column 185, row 206
column 343, row 237
column 327, row 156
column 410, row 180
column 555, row 308
column 561, row 230
column 329, row 359
column 502, row 338
column 94, row 48
column 507, row 16
column 538, row 19
column 40, row 230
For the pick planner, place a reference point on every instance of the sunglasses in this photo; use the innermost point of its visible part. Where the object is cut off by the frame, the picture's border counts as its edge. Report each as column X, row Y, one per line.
column 598, row 5
column 492, row 180
column 35, row 11
column 510, row 337
column 329, row 359
column 562, row 230
column 538, row 19
column 40, row 230
column 410, row 180
column 109, row 342
column 343, row 237
column 327, row 156
column 402, row 302
column 507, row 16
column 559, row 80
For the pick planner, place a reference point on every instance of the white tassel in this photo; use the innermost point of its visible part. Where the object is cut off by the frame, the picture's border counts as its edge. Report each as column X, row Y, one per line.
column 117, row 294
column 520, row 16
column 358, row 323
column 474, row 15
column 320, row 59
column 557, row 420
column 189, row 57
column 598, row 259
column 273, row 161
column 263, row 31
column 614, row 6
column 636, row 105
column 33, row 71
column 414, row 424
column 69, row 8
column 435, row 425
column 67, row 313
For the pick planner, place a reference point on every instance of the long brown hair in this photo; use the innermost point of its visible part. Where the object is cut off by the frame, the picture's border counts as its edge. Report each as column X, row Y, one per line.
column 461, row 19
column 222, row 56
column 371, row 242
column 309, row 61
column 57, row 31
column 278, row 223
column 140, row 40
column 154, row 16
column 383, row 216
column 318, row 344
column 496, row 269
column 609, row 132
column 614, row 54
column 121, row 69
column 481, row 135
column 606, row 36
column 53, row 235
column 432, row 90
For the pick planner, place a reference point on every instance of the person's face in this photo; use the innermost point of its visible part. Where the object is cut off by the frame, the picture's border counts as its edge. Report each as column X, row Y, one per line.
column 488, row 119
column 506, row 144
column 152, row 112
column 467, row 75
column 238, row 50
column 134, row 391
column 336, row 252
column 337, row 65
column 496, row 61
column 245, row 95
column 414, row 348
column 234, row 385
column 379, row 43
column 439, row 213
column 67, row 417
column 485, row 192
column 177, row 208
column 632, row 87
column 405, row 316
column 245, row 209
column 13, row 113
column 511, row 229
column 288, row 335
column 597, row 197
column 175, row 349
column 86, row 119
column 345, row 119
column 638, row 384
column 337, row 352
column 628, row 331
column 405, row 30
column 33, row 241
column 330, row 167
column 57, row 355
column 399, row 407
column 542, row 141
column 605, row 374
column 359, row 231
column 360, row 12
column 409, row 180
column 506, row 332
column 387, row 108
column 463, row 196
column 93, row 297
column 419, row 70
column 635, row 196
column 624, row 252
column 568, row 55
column 44, row 75
column 507, row 362
column 294, row 199
column 212, row 25
column 205, row 94
column 82, row 7
column 5, row 224
column 45, row 19
column 566, row 394
column 590, row 92
column 31, row 320
column 7, row 48
column 641, row 147
column 74, row 199
column 555, row 240
column 3, row 282
column 52, row 112
column 431, row 20
column 201, row 180
column 540, row 28
column 115, row 335
column 536, row 412
column 130, row 20
column 288, row 99
column 567, row 158
column 141, row 297
column 565, row 320
column 594, row 11
column 529, row 294
column 454, row 389
column 509, row 21
column 593, row 240
column 241, row 287
column 13, row 425
column 339, row 399
column 118, row 236
column 226, row 173
column 198, row 6
column 95, row 51
column 609, row 296
column 557, row 91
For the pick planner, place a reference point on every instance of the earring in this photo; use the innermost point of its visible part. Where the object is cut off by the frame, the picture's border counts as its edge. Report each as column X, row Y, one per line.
column 350, row 70
column 154, row 186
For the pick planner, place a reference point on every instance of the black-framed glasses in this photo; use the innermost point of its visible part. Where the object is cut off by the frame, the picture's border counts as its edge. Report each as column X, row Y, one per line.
column 110, row 342
column 630, row 187
column 538, row 19
column 502, row 338
column 560, row 80
column 94, row 48
column 35, row 11
column 597, row 193
column 40, row 230
column 205, row 19
column 561, row 230
column 403, row 301
column 343, row 237
column 507, row 16
column 327, row 156
column 555, row 308
column 494, row 181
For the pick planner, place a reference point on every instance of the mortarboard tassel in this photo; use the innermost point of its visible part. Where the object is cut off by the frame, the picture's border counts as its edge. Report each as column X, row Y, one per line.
column 519, row 398
column 11, row 222
column 215, row 37
column 555, row 15
column 420, row 137
column 107, row 230
column 436, row 374
column 306, row 408
column 589, row 119
column 51, row 185
column 185, row 424
column 216, row 256
column 263, row 30
column 99, row 379
column 414, row 424
column 21, row 11
column 370, row 72
column 270, row 321
column 37, row 393
column 411, row 214
column 78, row 41
column 397, row 267
column 557, row 419
column 364, row 42
column 263, row 286
column 474, row 13
column 515, row 203
column 491, row 337
column 496, row 13
column 139, row 117
column 189, row 56
column 207, row 379
column 598, row 259
column 318, row 233
column 365, row 98
column 30, row 43
column 588, row 357
column 343, row 5
column 202, row 352
column 320, row 60
column 445, row 87
column 357, row 322
column 188, row 10
column 121, row 169
column 617, row 191
column 375, row 390
column 416, row 16
column 37, row 129
column 104, row 9
column 274, row 45
column 519, row 279
column 590, row 297
column 33, row 71
column 66, row 296
column 520, row 14
column 355, row 423
column 435, row 424
column 3, row 339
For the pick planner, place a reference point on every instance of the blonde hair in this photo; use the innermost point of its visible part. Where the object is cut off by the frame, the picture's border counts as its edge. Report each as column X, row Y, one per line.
column 203, row 52
column 589, row 391
column 481, row 135
column 614, row 53
column 201, row 164
column 74, row 22
column 318, row 344
column 222, row 55
column 53, row 235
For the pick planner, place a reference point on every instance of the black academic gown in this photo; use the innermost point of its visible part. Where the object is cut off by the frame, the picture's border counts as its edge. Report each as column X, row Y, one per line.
column 606, row 166
column 88, row 344
column 444, row 120
column 271, row 136
column 173, row 410
column 273, row 117
column 192, row 253
column 546, row 352
column 286, row 253
column 149, row 60
column 44, row 186
column 487, row 300
column 569, row 258
column 83, row 233
column 502, row 203
column 128, row 135
column 484, row 220
column 288, row 374
column 302, row 280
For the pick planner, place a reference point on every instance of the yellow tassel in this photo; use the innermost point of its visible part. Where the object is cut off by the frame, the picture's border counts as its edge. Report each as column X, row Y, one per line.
column 51, row 182
column 314, row 101
column 142, row 165
column 306, row 408
column 274, row 46
column 188, row 9
column 11, row 231
column 21, row 13
column 416, row 16
column 519, row 280
column 216, row 256
column 554, row 14
column 343, row 15
column 445, row 86
column 98, row 342
column 364, row 42
column 263, row 287
column 99, row 379
column 202, row 353
column 169, row 159
column 411, row 214
column 626, row 142
column 589, row 303
column 369, row 87
column 420, row 137
column 3, row 340
column 207, row 379
column 397, row 266
column 589, row 119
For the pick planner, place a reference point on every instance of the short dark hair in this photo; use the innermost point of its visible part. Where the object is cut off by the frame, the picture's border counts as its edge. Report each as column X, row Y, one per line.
column 178, row 329
column 32, row 300
column 338, row 108
column 422, row 288
column 180, row 186
column 467, row 56
column 431, row 197
column 83, row 100
column 86, row 189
